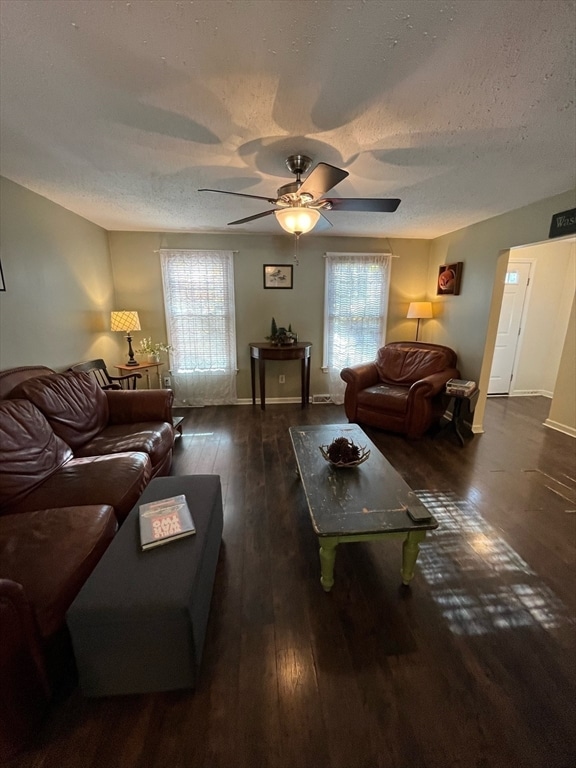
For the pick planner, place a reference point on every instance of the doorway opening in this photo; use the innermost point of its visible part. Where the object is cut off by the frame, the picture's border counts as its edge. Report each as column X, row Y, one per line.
column 538, row 295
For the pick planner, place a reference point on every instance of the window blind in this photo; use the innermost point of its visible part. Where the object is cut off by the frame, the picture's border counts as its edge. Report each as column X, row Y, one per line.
column 200, row 319
column 355, row 310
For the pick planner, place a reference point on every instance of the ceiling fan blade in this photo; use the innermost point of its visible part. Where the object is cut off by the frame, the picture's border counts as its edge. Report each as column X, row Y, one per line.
column 240, row 194
column 323, row 223
column 367, row 204
column 251, row 218
column 322, row 179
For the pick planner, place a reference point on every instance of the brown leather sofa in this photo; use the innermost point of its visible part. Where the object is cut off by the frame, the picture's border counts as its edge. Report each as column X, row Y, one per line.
column 74, row 459
column 403, row 389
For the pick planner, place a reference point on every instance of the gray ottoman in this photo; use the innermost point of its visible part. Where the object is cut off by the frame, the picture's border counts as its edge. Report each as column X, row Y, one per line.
column 138, row 624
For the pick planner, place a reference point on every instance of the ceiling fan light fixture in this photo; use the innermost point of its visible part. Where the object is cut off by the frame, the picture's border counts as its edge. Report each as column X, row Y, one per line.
column 297, row 221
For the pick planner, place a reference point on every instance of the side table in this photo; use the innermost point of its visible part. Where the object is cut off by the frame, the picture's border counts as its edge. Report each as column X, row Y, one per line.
column 177, row 423
column 463, row 410
column 263, row 351
column 145, row 368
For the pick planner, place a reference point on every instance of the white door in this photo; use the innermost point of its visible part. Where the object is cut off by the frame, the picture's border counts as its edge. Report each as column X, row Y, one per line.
column 516, row 284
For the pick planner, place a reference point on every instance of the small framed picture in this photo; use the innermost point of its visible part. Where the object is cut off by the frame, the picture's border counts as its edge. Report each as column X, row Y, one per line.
column 278, row 275
column 2, row 283
column 449, row 277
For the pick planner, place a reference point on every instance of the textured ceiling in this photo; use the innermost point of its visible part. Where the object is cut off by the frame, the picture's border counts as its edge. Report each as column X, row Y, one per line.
column 121, row 110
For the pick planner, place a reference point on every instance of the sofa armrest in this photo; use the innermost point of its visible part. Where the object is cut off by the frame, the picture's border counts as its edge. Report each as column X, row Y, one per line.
column 433, row 384
column 131, row 406
column 360, row 376
column 24, row 688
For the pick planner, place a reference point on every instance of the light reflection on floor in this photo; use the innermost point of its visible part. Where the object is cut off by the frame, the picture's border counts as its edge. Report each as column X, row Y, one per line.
column 466, row 548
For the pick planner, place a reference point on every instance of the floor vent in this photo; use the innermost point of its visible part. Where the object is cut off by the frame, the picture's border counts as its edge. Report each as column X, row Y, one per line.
column 321, row 399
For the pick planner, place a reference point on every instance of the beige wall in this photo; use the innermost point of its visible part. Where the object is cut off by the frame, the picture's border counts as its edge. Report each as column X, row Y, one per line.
column 548, row 304
column 468, row 322
column 58, row 283
column 138, row 284
column 562, row 414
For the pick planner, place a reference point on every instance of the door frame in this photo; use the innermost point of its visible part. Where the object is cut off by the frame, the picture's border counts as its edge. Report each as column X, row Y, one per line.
column 531, row 261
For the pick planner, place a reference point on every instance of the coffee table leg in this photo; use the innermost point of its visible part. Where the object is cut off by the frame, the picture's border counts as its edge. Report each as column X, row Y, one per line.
column 327, row 558
column 410, row 549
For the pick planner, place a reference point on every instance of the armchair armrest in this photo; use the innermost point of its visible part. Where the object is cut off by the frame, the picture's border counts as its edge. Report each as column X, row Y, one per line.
column 357, row 377
column 130, row 378
column 433, row 384
column 360, row 376
column 127, row 406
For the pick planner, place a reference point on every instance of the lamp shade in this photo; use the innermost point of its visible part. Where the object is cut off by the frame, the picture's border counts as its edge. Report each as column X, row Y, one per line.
column 124, row 320
column 297, row 221
column 420, row 309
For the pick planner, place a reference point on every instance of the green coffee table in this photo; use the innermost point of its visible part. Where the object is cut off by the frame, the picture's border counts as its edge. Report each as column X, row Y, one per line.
column 365, row 503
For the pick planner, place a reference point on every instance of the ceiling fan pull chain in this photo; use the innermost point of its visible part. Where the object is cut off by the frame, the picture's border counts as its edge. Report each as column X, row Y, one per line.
column 297, row 254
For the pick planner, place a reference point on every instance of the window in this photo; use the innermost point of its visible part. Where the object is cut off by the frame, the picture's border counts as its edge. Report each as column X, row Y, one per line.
column 200, row 318
column 355, row 309
column 512, row 278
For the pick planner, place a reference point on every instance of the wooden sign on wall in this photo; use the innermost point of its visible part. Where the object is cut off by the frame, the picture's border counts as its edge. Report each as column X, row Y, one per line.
column 563, row 223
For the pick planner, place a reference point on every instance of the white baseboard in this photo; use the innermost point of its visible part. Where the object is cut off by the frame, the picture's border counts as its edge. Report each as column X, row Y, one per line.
column 530, row 393
column 313, row 400
column 560, row 427
column 269, row 400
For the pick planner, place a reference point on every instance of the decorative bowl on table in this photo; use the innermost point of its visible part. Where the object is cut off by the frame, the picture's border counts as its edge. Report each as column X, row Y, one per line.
column 344, row 453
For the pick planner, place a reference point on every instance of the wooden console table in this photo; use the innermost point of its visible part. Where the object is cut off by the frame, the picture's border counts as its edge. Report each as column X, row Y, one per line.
column 263, row 351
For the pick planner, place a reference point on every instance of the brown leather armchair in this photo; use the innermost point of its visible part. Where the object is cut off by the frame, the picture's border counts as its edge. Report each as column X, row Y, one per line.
column 403, row 389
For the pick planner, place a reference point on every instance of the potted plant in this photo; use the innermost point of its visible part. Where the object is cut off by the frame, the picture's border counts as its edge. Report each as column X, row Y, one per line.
column 153, row 349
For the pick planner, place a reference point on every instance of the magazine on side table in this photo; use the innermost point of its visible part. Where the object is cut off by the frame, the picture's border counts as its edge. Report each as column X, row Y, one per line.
column 165, row 520
column 460, row 387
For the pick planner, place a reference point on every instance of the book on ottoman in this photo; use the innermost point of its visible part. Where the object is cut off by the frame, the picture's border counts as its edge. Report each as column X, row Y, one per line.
column 165, row 520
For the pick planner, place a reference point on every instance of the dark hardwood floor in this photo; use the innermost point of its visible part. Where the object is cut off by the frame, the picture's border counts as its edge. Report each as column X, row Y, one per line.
column 473, row 666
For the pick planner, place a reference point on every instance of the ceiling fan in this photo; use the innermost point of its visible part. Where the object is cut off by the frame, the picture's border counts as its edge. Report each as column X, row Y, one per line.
column 300, row 204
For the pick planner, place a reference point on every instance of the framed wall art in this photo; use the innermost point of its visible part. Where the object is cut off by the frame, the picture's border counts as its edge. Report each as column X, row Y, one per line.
column 278, row 275
column 2, row 283
column 449, row 278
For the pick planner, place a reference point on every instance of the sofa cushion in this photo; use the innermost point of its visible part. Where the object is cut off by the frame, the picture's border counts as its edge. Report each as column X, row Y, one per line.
column 30, row 452
column 11, row 377
column 154, row 438
column 405, row 365
column 75, row 406
column 51, row 553
column 117, row 479
column 384, row 396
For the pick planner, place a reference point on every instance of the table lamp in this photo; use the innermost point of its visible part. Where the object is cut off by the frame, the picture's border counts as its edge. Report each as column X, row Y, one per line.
column 126, row 321
column 420, row 310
